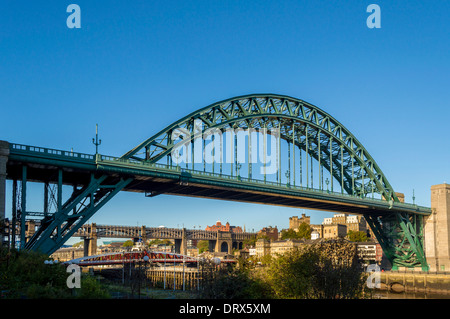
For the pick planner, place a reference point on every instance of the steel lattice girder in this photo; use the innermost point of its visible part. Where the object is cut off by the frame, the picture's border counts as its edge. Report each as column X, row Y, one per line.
column 401, row 238
column 302, row 124
column 338, row 147
column 399, row 234
column 57, row 228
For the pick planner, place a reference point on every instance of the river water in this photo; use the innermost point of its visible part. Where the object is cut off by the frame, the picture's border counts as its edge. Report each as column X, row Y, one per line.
column 383, row 294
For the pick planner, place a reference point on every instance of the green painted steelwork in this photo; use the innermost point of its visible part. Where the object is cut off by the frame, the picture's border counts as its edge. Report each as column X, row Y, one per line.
column 314, row 130
column 401, row 238
column 57, row 228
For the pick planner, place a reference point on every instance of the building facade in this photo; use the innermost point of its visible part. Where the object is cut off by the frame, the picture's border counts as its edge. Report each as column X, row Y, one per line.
column 352, row 222
column 225, row 228
column 295, row 222
column 334, row 231
column 370, row 252
column 264, row 247
column 270, row 233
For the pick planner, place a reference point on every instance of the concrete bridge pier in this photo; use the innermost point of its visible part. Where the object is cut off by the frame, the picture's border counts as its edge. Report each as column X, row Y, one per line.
column 90, row 246
column 90, row 243
column 4, row 153
column 181, row 244
column 212, row 245
column 437, row 229
column 143, row 234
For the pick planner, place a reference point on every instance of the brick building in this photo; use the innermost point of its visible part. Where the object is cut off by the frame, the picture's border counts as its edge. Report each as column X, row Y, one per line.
column 270, row 233
column 224, row 228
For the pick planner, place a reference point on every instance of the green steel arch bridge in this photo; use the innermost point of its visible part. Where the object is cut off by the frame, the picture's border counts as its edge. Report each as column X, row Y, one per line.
column 260, row 148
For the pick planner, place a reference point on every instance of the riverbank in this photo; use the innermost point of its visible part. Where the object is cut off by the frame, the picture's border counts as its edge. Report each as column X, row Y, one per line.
column 426, row 284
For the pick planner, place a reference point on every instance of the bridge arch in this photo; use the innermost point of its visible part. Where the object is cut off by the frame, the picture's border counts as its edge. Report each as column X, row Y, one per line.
column 302, row 129
column 307, row 131
column 224, row 247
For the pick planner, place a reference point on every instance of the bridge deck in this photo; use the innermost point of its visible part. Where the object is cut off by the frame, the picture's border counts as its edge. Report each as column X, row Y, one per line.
column 154, row 179
column 135, row 257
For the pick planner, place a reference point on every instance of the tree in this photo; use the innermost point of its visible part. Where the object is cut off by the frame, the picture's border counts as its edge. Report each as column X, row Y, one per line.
column 128, row 243
column 289, row 275
column 161, row 242
column 304, row 231
column 250, row 242
column 357, row 236
column 202, row 245
column 23, row 274
column 79, row 244
column 327, row 270
column 232, row 282
column 289, row 234
column 339, row 273
column 261, row 236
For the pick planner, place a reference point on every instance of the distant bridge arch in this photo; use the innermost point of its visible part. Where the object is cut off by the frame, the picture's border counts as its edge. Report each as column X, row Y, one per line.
column 224, row 247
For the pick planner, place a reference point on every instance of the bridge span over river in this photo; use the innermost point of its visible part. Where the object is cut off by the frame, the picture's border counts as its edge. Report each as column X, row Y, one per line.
column 219, row 241
column 259, row 148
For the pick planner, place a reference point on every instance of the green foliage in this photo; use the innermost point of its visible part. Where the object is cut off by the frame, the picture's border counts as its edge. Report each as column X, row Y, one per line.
column 261, row 236
column 304, row 232
column 357, row 236
column 232, row 282
column 266, row 259
column 79, row 244
column 23, row 274
column 90, row 288
column 128, row 243
column 288, row 234
column 202, row 245
column 328, row 271
column 250, row 242
column 161, row 242
column 290, row 274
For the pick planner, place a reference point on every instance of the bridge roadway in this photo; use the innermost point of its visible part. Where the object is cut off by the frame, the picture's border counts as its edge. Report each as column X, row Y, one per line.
column 97, row 178
column 218, row 241
column 43, row 165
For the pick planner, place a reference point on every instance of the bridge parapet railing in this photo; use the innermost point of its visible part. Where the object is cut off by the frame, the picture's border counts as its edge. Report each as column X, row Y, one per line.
column 136, row 163
column 50, row 151
column 211, row 174
column 98, row 158
column 243, row 236
column 253, row 181
column 156, row 232
column 201, row 234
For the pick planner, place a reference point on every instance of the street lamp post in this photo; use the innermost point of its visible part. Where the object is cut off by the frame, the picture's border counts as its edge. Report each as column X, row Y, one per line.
column 95, row 140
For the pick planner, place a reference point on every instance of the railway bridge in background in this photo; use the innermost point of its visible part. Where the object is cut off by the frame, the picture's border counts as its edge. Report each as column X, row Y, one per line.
column 314, row 162
column 219, row 241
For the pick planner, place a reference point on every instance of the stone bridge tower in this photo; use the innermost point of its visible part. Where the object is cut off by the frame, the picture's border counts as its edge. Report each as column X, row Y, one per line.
column 224, row 242
column 437, row 229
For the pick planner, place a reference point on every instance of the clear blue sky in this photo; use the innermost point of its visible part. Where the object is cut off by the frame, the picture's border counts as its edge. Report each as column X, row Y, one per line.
column 136, row 66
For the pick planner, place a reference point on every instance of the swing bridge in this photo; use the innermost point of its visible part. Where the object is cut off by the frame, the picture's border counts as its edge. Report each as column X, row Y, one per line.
column 262, row 148
column 134, row 257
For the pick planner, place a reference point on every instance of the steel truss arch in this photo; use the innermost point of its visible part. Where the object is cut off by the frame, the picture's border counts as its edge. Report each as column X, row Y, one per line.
column 335, row 147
